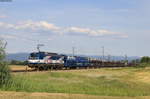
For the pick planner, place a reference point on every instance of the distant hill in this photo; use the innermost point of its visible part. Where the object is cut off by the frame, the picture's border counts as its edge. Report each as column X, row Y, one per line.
column 17, row 56
column 24, row 56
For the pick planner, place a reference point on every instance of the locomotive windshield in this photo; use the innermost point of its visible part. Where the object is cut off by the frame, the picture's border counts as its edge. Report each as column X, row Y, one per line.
column 39, row 55
column 55, row 57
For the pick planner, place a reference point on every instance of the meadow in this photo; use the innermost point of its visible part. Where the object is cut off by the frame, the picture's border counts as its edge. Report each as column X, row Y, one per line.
column 104, row 83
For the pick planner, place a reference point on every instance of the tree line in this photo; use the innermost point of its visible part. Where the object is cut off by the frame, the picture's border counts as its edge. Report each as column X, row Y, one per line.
column 145, row 59
column 16, row 62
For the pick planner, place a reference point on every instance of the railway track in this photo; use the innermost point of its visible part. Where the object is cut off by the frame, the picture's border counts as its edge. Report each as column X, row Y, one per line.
column 64, row 69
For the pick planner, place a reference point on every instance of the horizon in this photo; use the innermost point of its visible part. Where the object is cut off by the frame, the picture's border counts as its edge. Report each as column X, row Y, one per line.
column 121, row 26
column 78, row 54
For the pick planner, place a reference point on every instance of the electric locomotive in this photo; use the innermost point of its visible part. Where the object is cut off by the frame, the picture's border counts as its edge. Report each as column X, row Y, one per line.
column 45, row 60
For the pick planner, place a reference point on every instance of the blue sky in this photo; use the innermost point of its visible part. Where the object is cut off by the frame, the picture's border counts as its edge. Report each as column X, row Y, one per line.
column 122, row 26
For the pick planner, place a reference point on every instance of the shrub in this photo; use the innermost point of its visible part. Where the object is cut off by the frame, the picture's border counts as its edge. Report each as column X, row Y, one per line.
column 4, row 69
column 4, row 73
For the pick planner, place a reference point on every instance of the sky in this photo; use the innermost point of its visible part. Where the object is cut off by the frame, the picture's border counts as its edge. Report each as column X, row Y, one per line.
column 121, row 26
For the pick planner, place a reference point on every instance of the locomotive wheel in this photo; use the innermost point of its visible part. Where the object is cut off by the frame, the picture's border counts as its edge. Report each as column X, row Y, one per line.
column 45, row 68
column 51, row 68
column 87, row 67
column 68, row 68
column 40, row 68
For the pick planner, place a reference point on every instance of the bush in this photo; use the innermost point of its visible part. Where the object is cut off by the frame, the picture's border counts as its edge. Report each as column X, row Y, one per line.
column 4, row 73
column 4, row 69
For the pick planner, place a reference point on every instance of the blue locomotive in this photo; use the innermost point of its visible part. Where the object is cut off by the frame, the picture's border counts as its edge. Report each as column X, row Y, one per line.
column 45, row 60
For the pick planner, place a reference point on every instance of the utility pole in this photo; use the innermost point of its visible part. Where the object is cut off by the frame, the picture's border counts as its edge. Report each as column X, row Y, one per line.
column 109, row 57
column 5, row 44
column 126, row 60
column 38, row 46
column 73, row 51
column 103, row 51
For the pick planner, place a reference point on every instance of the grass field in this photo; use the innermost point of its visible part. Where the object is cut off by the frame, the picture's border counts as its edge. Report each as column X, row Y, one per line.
column 104, row 83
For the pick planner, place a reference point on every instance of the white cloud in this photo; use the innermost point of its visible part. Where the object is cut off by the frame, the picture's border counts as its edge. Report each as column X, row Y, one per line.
column 30, row 25
column 36, row 25
column 47, row 27
column 6, row 25
column 92, row 32
column 3, row 16
column 77, row 29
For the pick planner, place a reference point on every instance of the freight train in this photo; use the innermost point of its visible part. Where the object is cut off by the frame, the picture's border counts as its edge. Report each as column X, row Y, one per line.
column 46, row 60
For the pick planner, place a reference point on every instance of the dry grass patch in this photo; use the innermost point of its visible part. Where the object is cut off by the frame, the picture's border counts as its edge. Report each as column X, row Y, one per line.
column 19, row 68
column 24, row 95
column 143, row 77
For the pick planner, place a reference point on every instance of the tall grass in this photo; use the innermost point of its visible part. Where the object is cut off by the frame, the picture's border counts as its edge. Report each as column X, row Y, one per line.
column 76, row 82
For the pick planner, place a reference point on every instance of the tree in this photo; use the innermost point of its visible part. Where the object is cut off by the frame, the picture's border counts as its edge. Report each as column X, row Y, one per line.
column 145, row 59
column 4, row 69
column 16, row 62
column 2, row 52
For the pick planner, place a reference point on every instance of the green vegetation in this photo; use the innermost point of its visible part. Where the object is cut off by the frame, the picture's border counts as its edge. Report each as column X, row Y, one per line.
column 4, row 73
column 4, row 69
column 145, row 59
column 143, row 62
column 16, row 62
column 108, row 82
